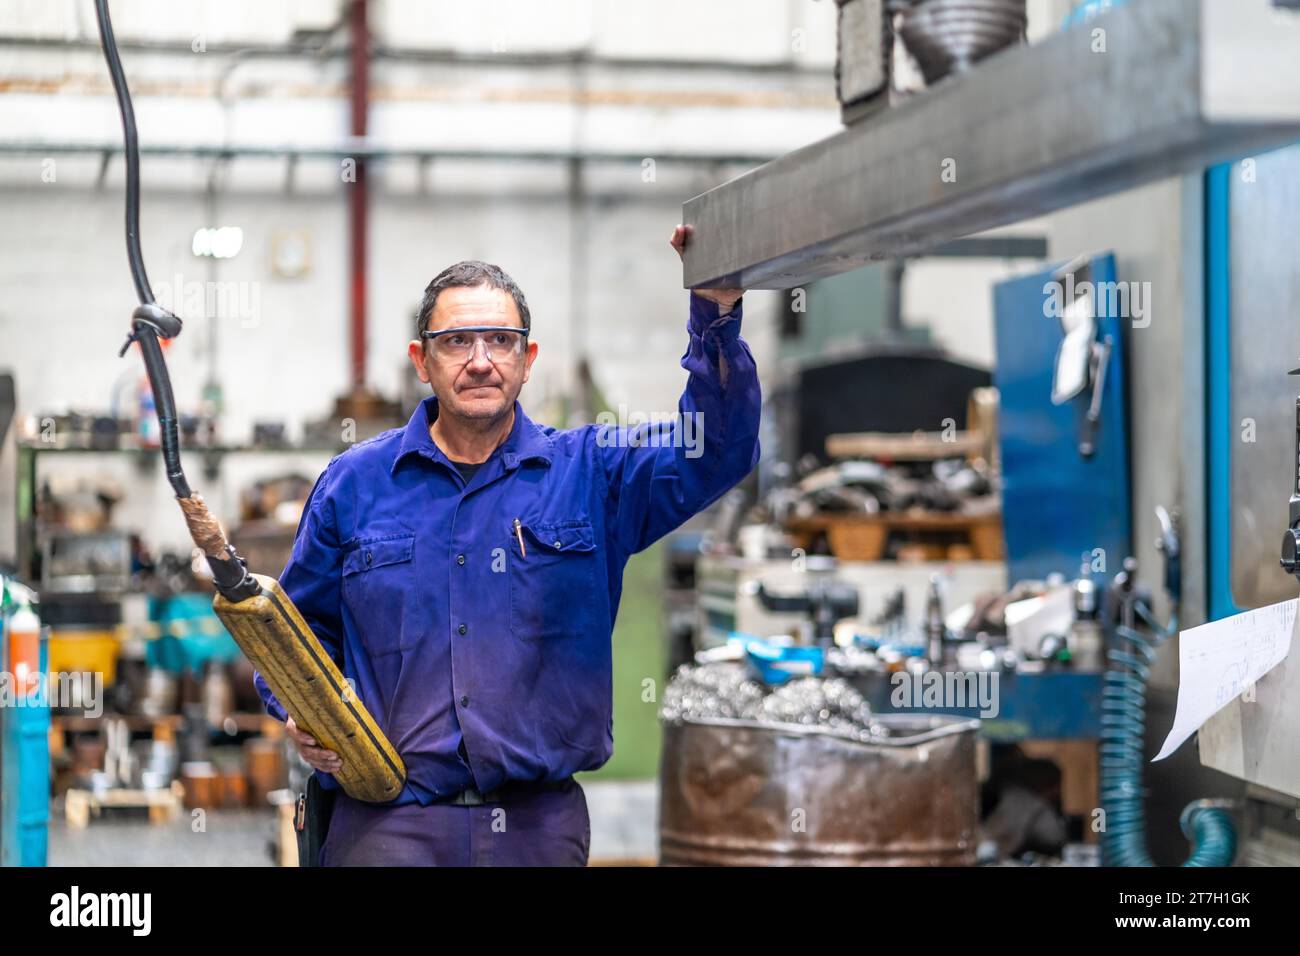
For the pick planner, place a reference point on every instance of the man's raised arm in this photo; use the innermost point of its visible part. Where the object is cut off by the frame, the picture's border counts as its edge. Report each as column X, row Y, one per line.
column 659, row 475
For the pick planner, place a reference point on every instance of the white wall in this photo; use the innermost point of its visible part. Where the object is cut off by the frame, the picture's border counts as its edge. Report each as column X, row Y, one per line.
column 953, row 298
column 65, row 292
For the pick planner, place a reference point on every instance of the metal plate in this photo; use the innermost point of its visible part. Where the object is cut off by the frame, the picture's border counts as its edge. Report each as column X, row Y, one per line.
column 1255, row 740
column 1264, row 339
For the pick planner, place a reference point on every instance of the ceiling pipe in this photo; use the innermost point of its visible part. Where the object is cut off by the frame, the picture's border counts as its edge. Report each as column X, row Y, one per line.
column 358, row 190
column 380, row 51
column 351, row 149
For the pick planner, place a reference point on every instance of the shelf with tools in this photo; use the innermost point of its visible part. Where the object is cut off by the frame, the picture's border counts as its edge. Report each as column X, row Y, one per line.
column 146, row 670
column 30, row 453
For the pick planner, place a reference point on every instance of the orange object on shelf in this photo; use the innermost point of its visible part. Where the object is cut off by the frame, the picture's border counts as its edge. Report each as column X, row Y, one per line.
column 933, row 536
column 25, row 651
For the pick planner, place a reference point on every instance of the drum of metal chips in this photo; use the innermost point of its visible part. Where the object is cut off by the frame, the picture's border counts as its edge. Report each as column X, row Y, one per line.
column 726, row 689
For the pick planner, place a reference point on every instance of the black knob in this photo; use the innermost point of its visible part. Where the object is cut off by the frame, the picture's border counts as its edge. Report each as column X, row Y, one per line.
column 1291, row 550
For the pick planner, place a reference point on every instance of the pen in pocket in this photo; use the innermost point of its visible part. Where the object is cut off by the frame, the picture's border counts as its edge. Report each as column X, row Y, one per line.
column 519, row 533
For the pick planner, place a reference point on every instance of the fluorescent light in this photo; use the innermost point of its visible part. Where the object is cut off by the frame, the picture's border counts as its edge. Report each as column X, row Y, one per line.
column 218, row 243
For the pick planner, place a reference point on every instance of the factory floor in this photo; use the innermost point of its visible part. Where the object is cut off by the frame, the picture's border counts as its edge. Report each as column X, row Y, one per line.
column 623, row 832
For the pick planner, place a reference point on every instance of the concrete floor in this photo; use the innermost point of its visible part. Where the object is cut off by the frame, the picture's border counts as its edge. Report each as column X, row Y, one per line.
column 623, row 830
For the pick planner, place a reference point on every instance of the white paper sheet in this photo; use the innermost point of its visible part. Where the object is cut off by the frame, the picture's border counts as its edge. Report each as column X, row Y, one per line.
column 1218, row 661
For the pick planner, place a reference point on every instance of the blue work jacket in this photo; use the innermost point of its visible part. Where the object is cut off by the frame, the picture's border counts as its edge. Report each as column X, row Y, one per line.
column 483, row 661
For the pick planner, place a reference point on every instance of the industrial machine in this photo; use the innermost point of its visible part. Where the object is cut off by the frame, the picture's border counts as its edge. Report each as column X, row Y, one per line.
column 1250, row 468
column 943, row 37
column 1243, row 738
column 1211, row 431
column 731, row 590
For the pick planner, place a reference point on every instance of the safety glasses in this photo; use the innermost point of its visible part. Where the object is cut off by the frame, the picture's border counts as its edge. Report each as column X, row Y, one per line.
column 502, row 343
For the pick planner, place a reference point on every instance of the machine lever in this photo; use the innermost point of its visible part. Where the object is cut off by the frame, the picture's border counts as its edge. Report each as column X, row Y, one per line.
column 1291, row 537
column 1088, row 436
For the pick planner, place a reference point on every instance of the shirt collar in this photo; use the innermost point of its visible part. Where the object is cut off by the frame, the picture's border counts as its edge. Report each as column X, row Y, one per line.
column 526, row 441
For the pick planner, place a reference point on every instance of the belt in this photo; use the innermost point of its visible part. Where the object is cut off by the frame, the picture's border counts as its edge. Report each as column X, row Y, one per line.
column 473, row 797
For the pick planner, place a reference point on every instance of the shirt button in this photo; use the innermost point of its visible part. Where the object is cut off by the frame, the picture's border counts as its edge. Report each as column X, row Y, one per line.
column 369, row 557
column 462, row 629
column 464, row 701
column 557, row 544
column 460, row 559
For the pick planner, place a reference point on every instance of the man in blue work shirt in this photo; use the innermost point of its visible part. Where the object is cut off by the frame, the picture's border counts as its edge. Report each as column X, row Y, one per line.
column 465, row 573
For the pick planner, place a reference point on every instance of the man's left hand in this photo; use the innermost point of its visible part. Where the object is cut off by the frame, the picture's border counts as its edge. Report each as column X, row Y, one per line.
column 725, row 298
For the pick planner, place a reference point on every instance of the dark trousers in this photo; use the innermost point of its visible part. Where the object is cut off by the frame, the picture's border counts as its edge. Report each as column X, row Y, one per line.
column 522, row 828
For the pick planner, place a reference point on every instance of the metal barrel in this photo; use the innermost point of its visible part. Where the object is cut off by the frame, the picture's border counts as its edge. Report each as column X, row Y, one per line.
column 738, row 793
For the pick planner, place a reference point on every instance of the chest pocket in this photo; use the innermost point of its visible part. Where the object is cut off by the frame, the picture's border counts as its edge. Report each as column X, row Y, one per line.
column 554, row 584
column 379, row 588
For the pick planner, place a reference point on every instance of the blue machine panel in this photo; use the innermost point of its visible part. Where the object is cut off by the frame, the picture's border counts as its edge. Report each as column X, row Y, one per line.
column 25, row 773
column 1057, row 503
column 1050, row 705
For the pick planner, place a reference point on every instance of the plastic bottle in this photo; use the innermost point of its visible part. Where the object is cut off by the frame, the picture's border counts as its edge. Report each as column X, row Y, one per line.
column 24, row 632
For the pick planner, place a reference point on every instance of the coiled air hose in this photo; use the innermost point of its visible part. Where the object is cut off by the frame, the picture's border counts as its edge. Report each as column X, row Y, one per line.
column 1207, row 825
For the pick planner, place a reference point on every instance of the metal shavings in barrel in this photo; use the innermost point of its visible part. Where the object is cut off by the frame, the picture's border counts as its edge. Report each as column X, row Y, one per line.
column 728, row 690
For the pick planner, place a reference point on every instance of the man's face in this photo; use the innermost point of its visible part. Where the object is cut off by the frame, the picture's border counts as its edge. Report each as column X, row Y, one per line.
column 477, row 387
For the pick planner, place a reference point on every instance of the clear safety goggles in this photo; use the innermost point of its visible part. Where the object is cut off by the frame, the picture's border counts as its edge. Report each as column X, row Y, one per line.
column 502, row 343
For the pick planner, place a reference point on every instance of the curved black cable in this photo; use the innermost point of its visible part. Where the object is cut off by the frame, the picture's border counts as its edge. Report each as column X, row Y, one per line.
column 149, row 321
column 132, row 146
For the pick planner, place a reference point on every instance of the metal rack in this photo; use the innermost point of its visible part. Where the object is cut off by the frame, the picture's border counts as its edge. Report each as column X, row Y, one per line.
column 29, row 454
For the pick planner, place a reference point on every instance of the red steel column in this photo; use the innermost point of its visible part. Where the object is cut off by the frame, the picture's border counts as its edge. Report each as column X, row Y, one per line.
column 358, row 193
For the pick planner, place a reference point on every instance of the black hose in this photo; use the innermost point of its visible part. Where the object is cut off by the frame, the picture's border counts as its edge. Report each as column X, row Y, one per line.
column 150, row 321
column 160, row 382
column 132, row 152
